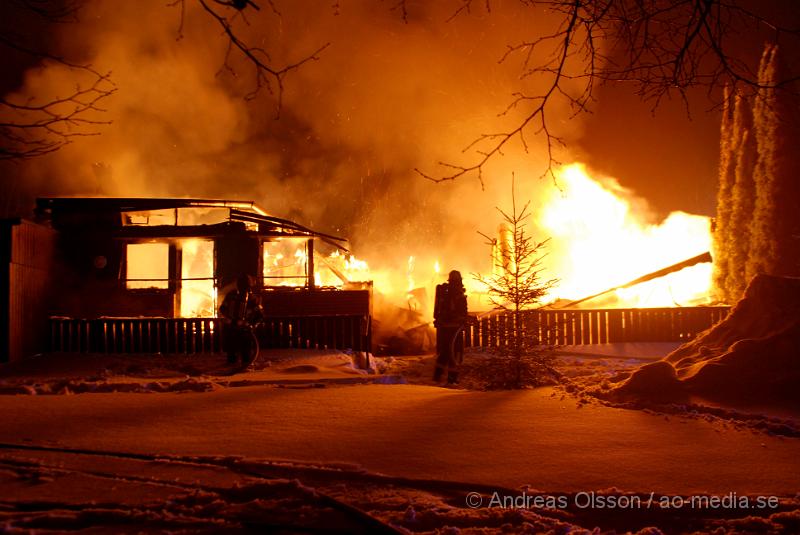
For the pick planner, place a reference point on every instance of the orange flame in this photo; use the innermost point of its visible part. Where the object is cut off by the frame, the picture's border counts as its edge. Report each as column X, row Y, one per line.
column 600, row 240
column 600, row 237
column 198, row 291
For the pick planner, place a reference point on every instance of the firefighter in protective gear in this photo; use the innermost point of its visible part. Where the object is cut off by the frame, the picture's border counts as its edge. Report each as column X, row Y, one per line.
column 449, row 318
column 239, row 311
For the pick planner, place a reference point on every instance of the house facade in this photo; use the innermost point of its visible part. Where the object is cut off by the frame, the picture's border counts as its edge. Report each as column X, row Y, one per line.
column 114, row 274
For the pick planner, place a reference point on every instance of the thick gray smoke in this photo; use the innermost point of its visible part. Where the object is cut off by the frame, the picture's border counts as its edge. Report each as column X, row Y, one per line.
column 386, row 96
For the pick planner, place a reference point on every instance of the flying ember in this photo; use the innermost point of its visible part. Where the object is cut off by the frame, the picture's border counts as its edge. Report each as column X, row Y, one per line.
column 600, row 237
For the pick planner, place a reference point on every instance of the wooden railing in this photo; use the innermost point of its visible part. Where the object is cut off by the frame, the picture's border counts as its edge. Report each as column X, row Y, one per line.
column 316, row 332
column 203, row 335
column 551, row 327
column 135, row 335
column 576, row 327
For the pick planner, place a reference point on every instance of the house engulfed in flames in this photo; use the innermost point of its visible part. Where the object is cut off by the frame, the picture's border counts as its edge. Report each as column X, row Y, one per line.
column 147, row 275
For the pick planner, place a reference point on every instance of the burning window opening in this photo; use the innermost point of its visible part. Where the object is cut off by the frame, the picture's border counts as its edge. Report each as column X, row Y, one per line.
column 147, row 266
column 342, row 270
column 151, row 218
column 183, row 216
column 198, row 286
column 285, row 263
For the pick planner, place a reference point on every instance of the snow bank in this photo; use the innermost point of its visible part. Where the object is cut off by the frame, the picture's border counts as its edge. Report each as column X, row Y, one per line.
column 752, row 357
column 67, row 373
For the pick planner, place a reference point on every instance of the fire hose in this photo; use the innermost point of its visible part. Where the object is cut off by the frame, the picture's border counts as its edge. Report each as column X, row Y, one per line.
column 456, row 334
column 457, row 359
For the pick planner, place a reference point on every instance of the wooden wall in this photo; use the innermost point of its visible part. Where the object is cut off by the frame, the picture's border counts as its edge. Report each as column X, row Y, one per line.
column 315, row 303
column 27, row 261
column 88, row 289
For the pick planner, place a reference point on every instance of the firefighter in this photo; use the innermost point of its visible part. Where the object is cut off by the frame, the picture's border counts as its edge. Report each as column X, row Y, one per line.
column 449, row 318
column 239, row 311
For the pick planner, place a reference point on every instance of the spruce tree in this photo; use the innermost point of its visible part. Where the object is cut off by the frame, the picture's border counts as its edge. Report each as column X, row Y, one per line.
column 516, row 287
column 775, row 233
column 727, row 168
column 743, row 201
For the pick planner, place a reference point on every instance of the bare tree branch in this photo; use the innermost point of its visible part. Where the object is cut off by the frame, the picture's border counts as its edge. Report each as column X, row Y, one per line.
column 56, row 12
column 28, row 130
column 30, row 127
column 466, row 7
column 663, row 48
column 536, row 115
column 266, row 74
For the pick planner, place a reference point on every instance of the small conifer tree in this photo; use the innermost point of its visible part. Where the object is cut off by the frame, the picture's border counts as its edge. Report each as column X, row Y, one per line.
column 516, row 287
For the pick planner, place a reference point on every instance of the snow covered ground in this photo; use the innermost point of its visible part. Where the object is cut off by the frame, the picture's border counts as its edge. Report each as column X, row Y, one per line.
column 309, row 442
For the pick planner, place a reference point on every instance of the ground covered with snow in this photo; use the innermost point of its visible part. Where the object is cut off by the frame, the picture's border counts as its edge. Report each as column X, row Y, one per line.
column 618, row 375
column 307, row 442
column 76, row 374
column 751, row 358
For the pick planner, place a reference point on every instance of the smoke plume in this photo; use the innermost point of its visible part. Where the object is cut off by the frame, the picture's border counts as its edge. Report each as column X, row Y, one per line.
column 386, row 96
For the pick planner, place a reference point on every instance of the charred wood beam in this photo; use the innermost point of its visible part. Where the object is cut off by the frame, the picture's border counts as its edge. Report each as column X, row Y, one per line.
column 699, row 259
column 134, row 204
column 280, row 223
column 310, row 264
column 341, row 276
column 171, row 231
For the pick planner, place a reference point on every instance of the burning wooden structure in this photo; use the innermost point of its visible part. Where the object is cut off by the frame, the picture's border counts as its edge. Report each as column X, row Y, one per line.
column 113, row 275
column 146, row 275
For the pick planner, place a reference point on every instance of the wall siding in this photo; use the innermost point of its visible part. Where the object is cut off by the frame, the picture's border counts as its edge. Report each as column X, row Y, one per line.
column 30, row 250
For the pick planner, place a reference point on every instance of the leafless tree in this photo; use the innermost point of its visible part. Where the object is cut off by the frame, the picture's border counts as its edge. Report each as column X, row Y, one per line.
column 31, row 126
column 231, row 16
column 663, row 48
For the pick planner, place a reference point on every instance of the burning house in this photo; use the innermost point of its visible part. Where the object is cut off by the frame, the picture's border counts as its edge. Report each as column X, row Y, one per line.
column 147, row 275
column 134, row 275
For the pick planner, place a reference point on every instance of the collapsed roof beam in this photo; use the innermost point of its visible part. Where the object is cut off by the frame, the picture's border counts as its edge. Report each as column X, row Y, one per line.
column 136, row 204
column 699, row 259
column 238, row 215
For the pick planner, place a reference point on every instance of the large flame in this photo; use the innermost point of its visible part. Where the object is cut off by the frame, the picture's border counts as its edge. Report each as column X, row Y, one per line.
column 198, row 291
column 600, row 238
column 599, row 235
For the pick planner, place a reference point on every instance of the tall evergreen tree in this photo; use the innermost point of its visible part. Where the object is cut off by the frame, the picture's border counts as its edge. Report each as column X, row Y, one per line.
column 742, row 201
column 775, row 233
column 727, row 169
